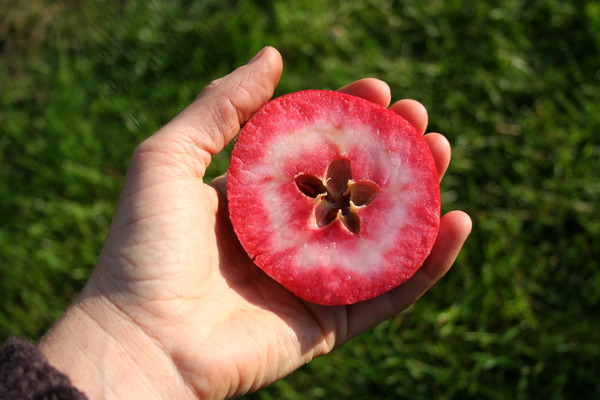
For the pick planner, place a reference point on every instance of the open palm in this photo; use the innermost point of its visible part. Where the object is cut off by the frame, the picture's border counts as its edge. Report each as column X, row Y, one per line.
column 174, row 290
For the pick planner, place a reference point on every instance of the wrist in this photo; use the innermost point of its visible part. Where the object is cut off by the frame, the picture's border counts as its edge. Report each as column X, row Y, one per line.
column 106, row 355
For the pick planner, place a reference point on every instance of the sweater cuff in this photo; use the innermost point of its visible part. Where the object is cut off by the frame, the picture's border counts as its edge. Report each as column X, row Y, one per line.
column 26, row 374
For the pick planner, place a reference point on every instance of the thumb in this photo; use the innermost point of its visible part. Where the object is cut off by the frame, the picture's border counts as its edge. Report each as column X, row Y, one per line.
column 208, row 124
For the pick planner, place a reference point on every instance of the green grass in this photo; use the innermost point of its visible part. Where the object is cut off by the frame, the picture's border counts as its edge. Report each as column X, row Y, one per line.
column 514, row 86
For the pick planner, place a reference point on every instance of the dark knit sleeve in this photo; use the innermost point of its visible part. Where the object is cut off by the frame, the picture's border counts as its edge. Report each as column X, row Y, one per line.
column 25, row 374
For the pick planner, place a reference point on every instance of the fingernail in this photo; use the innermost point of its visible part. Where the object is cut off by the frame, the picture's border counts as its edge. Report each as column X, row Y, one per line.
column 257, row 55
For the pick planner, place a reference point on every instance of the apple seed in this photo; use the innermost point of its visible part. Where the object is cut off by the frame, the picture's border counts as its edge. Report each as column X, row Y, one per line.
column 339, row 196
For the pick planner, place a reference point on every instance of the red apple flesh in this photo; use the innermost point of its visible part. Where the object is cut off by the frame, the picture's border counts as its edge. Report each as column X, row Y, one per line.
column 333, row 196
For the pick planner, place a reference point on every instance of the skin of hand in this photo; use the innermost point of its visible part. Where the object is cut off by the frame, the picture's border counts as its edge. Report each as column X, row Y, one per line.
column 174, row 307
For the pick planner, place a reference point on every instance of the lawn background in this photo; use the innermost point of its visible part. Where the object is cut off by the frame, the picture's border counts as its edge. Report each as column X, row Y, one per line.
column 513, row 84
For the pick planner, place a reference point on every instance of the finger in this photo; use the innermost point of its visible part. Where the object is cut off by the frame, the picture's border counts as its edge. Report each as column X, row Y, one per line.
column 455, row 227
column 412, row 111
column 371, row 89
column 223, row 106
column 214, row 118
column 454, row 230
column 220, row 185
column 440, row 149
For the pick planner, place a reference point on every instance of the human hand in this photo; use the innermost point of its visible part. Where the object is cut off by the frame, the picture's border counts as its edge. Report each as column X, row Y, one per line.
column 174, row 307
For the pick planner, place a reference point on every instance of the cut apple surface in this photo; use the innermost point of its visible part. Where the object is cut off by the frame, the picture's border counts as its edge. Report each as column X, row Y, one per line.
column 333, row 196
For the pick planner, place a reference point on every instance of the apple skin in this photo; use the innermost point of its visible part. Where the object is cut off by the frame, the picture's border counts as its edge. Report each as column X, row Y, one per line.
column 302, row 133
